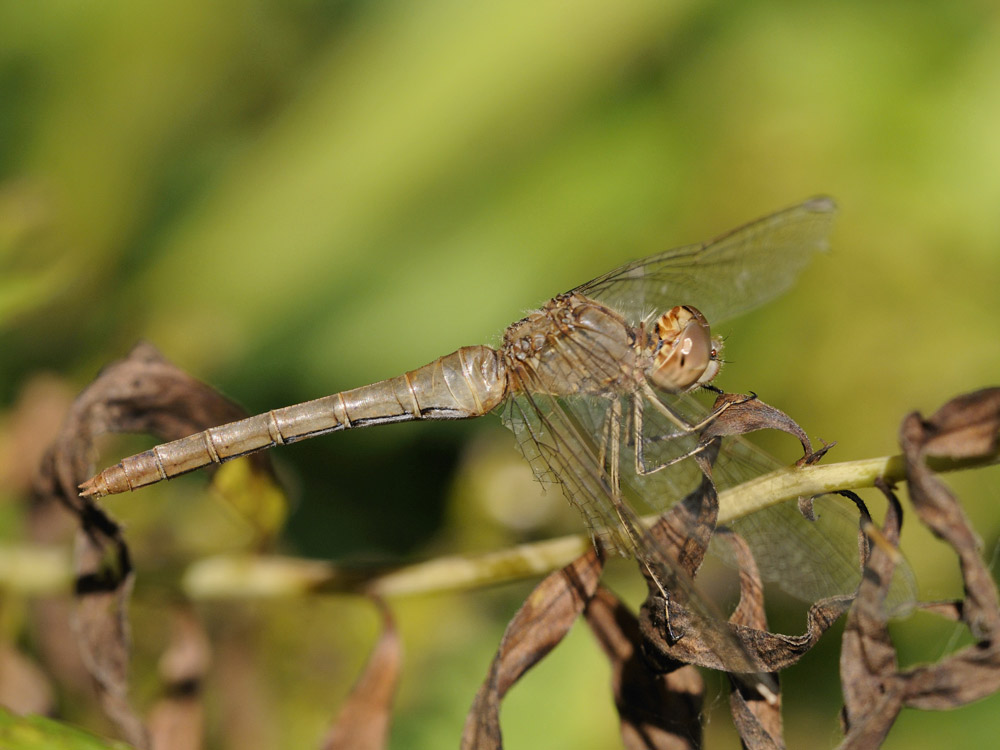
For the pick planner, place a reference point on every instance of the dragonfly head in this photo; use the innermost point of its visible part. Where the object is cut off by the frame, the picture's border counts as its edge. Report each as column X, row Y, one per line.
column 685, row 355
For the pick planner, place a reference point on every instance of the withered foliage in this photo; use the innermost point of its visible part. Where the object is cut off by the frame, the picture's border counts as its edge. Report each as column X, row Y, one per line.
column 874, row 688
column 537, row 628
column 657, row 708
column 142, row 393
column 653, row 654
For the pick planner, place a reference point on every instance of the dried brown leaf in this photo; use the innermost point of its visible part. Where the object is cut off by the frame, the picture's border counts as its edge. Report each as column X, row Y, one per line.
column 965, row 427
column 141, row 393
column 58, row 651
column 880, row 717
column 363, row 721
column 868, row 663
column 658, row 710
column 104, row 580
column 968, row 426
column 744, row 414
column 757, row 721
column 698, row 636
column 537, row 627
column 684, row 532
column 875, row 691
column 770, row 652
column 750, row 608
column 691, row 637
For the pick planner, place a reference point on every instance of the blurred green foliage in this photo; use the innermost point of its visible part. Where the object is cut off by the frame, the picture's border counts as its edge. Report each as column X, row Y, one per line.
column 292, row 198
column 39, row 733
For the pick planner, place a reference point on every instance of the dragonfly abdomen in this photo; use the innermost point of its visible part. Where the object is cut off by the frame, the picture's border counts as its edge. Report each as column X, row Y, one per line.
column 469, row 382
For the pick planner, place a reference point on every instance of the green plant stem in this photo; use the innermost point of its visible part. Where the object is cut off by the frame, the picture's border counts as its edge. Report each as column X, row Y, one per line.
column 229, row 576
column 35, row 570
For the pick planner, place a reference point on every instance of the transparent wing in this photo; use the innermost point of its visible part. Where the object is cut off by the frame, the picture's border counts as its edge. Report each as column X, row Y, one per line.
column 560, row 453
column 809, row 559
column 726, row 276
column 559, row 448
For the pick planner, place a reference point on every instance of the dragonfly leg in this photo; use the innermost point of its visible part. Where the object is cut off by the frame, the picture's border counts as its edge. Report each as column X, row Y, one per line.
column 611, row 447
column 679, row 421
column 683, row 428
column 613, row 443
column 641, row 469
column 606, row 440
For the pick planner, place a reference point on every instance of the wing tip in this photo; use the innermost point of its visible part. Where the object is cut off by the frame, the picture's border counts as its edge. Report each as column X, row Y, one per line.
column 820, row 204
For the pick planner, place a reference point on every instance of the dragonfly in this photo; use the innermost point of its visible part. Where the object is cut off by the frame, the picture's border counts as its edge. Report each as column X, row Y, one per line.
column 599, row 387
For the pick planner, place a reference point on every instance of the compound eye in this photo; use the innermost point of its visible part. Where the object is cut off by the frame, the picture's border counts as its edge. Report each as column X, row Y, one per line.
column 686, row 355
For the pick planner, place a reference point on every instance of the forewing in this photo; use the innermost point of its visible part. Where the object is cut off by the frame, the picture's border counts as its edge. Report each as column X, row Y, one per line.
column 724, row 277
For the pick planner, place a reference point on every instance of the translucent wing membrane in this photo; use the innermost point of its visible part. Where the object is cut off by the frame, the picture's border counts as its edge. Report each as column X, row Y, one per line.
column 560, row 452
column 807, row 558
column 559, row 447
column 663, row 448
column 726, row 276
column 567, row 440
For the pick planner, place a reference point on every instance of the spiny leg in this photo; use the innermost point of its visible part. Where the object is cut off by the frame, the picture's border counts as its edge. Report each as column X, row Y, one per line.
column 679, row 421
column 640, row 461
column 683, row 427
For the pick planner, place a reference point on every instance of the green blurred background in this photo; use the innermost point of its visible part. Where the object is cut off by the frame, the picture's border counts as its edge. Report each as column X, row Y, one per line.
column 292, row 198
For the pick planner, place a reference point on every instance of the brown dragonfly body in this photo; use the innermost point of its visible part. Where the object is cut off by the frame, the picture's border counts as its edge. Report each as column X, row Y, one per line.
column 572, row 346
column 598, row 387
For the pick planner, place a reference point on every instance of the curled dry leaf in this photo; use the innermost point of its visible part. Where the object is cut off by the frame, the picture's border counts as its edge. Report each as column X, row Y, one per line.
column 141, row 393
column 874, row 689
column 685, row 531
column 749, row 414
column 104, row 579
column 363, row 721
column 537, row 627
column 769, row 651
column 676, row 633
column 658, row 710
column 966, row 428
column 757, row 721
column 868, row 661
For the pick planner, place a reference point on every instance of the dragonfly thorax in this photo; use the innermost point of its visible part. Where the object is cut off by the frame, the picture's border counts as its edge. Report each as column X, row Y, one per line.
column 571, row 346
column 684, row 353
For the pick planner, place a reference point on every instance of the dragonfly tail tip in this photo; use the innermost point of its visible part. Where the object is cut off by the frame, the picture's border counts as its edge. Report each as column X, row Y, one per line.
column 90, row 489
